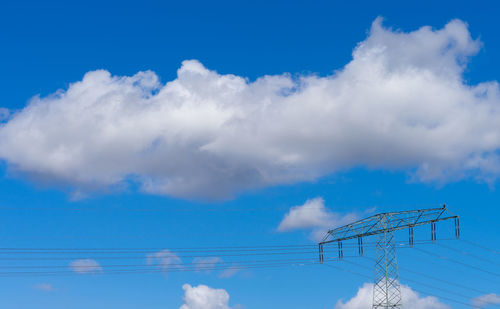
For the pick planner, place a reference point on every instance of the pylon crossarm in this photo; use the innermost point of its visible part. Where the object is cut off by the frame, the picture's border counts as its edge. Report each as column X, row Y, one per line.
column 393, row 221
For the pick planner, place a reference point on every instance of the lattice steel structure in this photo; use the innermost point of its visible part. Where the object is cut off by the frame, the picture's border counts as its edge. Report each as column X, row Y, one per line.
column 387, row 290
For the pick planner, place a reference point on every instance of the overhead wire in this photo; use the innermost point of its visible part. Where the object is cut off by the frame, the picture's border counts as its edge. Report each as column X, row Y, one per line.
column 443, row 281
column 171, row 255
column 209, row 266
column 430, row 286
column 469, row 254
column 436, row 278
column 430, row 260
column 417, row 290
column 150, row 251
column 40, row 250
column 71, row 272
column 162, row 265
column 480, row 246
column 262, row 247
column 418, row 282
column 458, row 262
column 160, row 269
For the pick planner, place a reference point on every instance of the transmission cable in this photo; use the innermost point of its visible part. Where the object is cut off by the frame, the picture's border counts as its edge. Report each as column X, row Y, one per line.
column 187, row 249
column 431, row 260
column 417, row 290
column 161, row 265
column 417, row 282
column 458, row 262
column 469, row 254
column 480, row 246
column 142, row 271
column 436, row 278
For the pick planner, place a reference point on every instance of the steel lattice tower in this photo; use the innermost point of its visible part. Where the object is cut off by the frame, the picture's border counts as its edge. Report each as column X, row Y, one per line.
column 386, row 288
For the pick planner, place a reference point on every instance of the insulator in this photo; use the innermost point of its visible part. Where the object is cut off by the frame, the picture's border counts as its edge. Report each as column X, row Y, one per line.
column 320, row 249
column 457, row 228
column 410, row 236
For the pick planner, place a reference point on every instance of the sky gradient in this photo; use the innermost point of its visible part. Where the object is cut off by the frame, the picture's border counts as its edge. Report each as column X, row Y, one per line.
column 185, row 125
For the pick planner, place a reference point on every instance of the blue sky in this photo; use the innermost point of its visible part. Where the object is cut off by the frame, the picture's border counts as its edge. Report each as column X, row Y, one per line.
column 166, row 195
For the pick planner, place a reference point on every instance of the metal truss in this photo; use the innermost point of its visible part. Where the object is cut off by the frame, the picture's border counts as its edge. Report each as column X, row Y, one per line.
column 387, row 290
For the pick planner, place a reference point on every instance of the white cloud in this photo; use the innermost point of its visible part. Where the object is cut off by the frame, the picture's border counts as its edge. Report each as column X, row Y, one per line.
column 400, row 103
column 85, row 266
column 164, row 259
column 229, row 272
column 311, row 214
column 206, row 263
column 411, row 299
column 485, row 300
column 314, row 215
column 204, row 297
column 47, row 287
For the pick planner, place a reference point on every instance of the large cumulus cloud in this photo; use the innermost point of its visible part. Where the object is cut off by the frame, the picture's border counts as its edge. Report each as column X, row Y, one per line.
column 401, row 103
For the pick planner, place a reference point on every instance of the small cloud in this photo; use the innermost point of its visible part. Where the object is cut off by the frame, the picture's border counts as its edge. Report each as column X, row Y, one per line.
column 485, row 300
column 228, row 272
column 370, row 210
column 311, row 214
column 315, row 216
column 204, row 297
column 206, row 263
column 85, row 266
column 47, row 287
column 164, row 259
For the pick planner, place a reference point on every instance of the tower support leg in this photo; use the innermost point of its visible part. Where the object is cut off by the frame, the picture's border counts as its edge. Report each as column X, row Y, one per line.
column 386, row 289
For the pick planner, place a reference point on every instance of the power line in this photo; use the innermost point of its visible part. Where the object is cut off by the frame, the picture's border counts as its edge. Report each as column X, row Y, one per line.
column 72, row 255
column 481, row 246
column 458, row 262
column 431, row 261
column 418, row 282
column 153, row 251
column 348, row 271
column 469, row 254
column 180, row 256
column 426, row 293
column 442, row 297
column 264, row 247
column 197, row 264
column 443, row 281
column 438, row 279
column 157, row 270
column 40, row 250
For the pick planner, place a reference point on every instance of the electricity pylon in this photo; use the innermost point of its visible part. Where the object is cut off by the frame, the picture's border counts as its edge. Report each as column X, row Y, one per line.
column 386, row 289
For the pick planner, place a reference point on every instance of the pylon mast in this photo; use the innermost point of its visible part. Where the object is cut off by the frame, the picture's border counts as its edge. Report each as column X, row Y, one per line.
column 387, row 289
